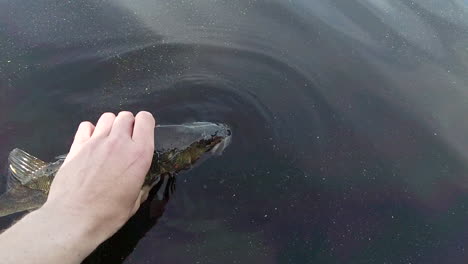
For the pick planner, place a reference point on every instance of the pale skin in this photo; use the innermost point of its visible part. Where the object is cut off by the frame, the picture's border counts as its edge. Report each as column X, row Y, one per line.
column 95, row 192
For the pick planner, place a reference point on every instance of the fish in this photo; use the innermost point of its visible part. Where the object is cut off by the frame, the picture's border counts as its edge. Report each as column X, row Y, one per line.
column 177, row 148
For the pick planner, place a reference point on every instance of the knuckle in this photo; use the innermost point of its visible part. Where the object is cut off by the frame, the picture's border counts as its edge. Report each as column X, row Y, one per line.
column 114, row 141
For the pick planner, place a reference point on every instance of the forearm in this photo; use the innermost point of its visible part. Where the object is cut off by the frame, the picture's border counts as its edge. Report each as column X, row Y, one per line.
column 45, row 237
column 97, row 189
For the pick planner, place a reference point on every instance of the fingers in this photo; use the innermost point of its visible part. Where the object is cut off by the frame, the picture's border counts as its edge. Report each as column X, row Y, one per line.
column 104, row 125
column 84, row 132
column 123, row 125
column 143, row 130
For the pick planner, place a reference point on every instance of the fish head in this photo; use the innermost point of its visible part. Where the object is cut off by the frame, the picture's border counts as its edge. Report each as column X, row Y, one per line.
column 179, row 147
column 184, row 135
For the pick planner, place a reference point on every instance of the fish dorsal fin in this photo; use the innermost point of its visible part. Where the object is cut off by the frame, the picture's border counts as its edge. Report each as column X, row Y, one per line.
column 61, row 157
column 23, row 165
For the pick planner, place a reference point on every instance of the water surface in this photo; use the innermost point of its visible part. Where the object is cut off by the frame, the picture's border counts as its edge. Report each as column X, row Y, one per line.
column 348, row 116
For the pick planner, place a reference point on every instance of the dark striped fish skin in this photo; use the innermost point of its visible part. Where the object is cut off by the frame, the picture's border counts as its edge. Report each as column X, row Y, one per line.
column 178, row 147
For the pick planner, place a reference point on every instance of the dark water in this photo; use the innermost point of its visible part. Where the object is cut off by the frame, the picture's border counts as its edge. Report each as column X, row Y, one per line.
column 350, row 141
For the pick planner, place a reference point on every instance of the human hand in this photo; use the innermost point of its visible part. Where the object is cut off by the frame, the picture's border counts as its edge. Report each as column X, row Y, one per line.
column 97, row 189
column 100, row 181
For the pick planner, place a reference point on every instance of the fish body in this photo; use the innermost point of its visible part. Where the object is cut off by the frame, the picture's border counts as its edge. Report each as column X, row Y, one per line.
column 177, row 148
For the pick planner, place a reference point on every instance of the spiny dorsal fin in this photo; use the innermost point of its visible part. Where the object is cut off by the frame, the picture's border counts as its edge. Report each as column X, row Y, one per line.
column 22, row 165
column 61, row 157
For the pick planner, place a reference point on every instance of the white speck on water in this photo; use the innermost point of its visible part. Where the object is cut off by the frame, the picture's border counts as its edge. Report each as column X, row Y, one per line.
column 265, row 216
column 8, row 61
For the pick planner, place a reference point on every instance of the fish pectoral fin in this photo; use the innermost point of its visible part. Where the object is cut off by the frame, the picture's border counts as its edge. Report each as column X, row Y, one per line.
column 166, row 187
column 22, row 165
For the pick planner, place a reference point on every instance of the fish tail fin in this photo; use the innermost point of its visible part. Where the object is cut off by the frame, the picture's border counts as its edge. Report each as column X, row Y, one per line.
column 22, row 165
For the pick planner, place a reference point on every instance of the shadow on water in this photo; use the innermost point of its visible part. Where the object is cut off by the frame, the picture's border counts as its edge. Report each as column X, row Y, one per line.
column 117, row 248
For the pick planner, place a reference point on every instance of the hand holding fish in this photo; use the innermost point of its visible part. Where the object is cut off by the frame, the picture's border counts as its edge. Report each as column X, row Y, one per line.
column 102, row 177
column 84, row 197
column 96, row 190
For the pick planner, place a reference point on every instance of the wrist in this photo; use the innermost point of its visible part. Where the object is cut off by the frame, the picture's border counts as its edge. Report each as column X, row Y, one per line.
column 49, row 236
column 66, row 231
